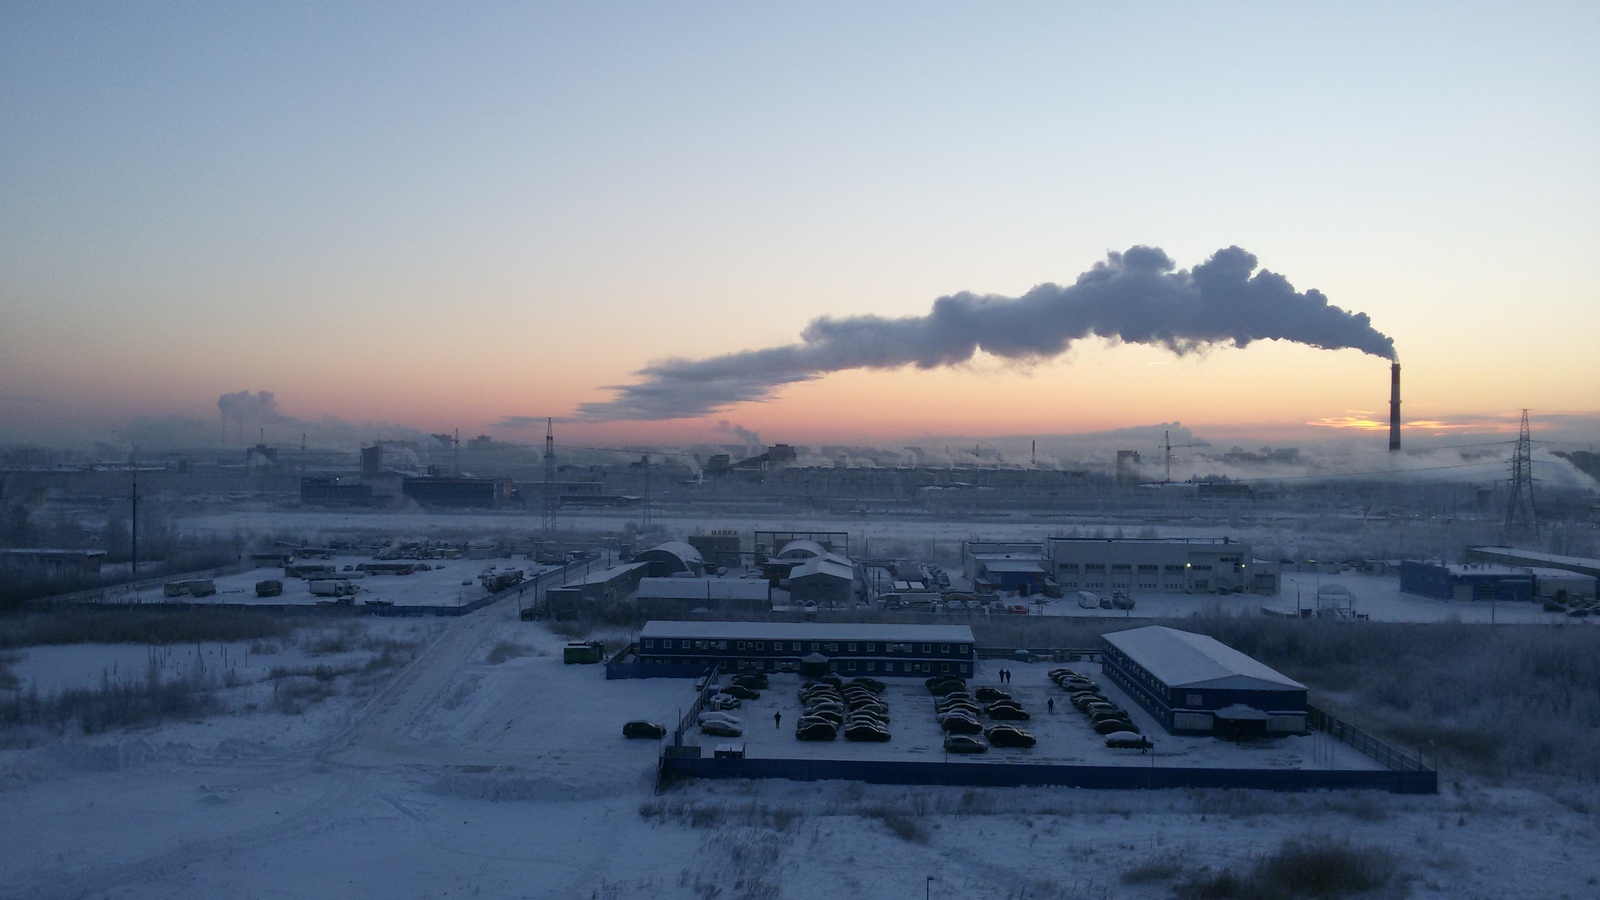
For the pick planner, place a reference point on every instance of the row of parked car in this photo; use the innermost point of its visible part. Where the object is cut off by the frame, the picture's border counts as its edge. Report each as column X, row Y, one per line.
column 957, row 710
column 831, row 704
column 1106, row 718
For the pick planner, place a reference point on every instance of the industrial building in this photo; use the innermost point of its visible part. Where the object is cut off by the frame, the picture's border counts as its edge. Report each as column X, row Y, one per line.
column 823, row 580
column 1194, row 684
column 1473, row 581
column 1510, row 556
column 1168, row 565
column 678, row 596
column 671, row 558
column 997, row 566
column 846, row 648
column 51, row 565
column 581, row 597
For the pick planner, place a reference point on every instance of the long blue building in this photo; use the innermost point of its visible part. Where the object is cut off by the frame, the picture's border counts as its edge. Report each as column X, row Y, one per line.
column 846, row 648
column 1194, row 684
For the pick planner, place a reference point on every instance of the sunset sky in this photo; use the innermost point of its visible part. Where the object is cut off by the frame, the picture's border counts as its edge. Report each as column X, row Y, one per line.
column 467, row 216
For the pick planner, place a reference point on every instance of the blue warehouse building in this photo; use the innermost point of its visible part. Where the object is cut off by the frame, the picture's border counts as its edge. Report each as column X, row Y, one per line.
column 811, row 647
column 1194, row 684
column 1477, row 581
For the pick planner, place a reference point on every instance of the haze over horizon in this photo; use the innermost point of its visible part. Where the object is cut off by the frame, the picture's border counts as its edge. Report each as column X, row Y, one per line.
column 664, row 225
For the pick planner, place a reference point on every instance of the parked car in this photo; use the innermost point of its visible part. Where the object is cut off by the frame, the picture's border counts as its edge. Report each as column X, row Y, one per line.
column 1112, row 726
column 723, row 701
column 639, row 728
column 719, row 728
column 1063, row 671
column 754, row 680
column 742, row 692
column 719, row 716
column 866, row 731
column 1004, row 713
column 1127, row 740
column 962, row 743
column 1121, row 600
column 811, row 729
column 954, row 724
column 987, row 694
column 871, row 684
column 1009, row 736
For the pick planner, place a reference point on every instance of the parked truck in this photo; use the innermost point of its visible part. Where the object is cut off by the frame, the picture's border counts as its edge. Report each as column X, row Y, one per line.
column 582, row 652
column 330, row 587
column 495, row 582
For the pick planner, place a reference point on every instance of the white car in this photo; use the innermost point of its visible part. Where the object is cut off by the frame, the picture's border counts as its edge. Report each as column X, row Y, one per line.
column 720, row 716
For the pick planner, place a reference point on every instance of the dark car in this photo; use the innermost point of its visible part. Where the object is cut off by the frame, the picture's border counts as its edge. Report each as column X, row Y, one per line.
column 865, row 731
column 1007, row 713
column 960, row 725
column 639, row 728
column 987, row 694
column 754, row 680
column 962, row 743
column 815, row 730
column 1096, row 715
column 1009, row 736
column 948, row 686
column 742, row 692
column 1063, row 672
column 1111, row 726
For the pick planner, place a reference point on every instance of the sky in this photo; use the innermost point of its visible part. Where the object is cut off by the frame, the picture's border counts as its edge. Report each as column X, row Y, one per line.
column 474, row 217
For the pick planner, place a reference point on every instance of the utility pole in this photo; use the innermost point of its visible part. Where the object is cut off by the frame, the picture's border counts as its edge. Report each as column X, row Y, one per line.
column 134, row 520
column 1520, row 519
column 645, row 460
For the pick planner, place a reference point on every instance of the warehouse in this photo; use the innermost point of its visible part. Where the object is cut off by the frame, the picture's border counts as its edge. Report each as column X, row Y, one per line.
column 677, row 596
column 1194, row 684
column 846, row 648
column 823, row 580
column 593, row 590
column 1474, row 581
column 672, row 558
column 1167, row 565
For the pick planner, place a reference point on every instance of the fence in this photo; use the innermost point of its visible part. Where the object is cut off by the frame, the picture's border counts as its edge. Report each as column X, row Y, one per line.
column 1385, row 754
column 675, row 765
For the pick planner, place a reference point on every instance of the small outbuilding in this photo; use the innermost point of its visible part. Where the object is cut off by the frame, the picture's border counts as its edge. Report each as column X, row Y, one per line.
column 1474, row 581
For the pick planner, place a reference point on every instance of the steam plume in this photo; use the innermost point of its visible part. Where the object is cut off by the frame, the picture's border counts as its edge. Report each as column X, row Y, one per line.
column 1138, row 297
column 243, row 406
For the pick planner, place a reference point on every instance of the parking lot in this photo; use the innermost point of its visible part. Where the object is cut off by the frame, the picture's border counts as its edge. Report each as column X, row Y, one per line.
column 1064, row 737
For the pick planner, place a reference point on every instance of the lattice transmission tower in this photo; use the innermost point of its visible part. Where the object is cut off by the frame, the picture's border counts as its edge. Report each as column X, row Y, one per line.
column 1520, row 519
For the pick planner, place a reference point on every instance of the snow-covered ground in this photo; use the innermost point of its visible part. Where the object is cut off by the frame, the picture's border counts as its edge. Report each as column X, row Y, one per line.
column 460, row 776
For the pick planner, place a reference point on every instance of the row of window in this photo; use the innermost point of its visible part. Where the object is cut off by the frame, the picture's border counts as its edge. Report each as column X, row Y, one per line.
column 847, row 666
column 795, row 646
column 1122, row 567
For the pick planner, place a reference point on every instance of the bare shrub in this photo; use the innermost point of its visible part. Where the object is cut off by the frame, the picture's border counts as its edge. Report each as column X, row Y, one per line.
column 898, row 821
column 1163, row 868
column 140, row 627
column 505, row 650
column 292, row 696
column 1301, row 867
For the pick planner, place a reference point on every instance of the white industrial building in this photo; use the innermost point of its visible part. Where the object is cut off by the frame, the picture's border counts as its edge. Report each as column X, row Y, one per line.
column 1165, row 565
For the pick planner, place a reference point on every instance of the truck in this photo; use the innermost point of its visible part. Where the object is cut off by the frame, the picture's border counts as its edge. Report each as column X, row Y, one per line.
column 196, row 587
column 269, row 588
column 330, row 587
column 495, row 582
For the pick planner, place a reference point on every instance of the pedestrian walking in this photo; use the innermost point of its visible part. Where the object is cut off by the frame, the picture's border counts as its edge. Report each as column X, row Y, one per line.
column 777, row 719
column 1052, row 704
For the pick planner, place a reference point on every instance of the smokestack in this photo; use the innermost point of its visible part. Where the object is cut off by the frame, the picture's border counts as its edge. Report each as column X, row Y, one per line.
column 1394, row 406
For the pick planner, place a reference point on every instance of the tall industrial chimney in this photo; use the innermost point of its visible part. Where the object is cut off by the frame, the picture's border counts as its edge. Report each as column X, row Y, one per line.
column 1394, row 406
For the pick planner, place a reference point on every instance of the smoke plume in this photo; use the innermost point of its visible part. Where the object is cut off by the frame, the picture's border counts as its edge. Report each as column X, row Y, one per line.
column 1138, row 297
column 243, row 406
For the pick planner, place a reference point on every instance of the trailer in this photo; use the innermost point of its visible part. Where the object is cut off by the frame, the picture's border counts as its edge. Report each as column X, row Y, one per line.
column 332, row 588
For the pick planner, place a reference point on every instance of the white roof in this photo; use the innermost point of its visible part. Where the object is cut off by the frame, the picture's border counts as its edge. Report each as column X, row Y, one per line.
column 1182, row 659
column 823, row 566
column 801, row 548
column 702, row 589
column 809, row 631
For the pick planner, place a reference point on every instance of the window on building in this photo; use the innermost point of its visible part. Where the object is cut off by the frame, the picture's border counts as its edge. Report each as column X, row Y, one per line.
column 760, row 645
column 851, row 646
column 796, row 647
column 927, row 648
column 850, row 666
column 944, row 667
column 945, row 649
column 1193, row 700
column 872, row 648
column 741, row 645
column 650, row 643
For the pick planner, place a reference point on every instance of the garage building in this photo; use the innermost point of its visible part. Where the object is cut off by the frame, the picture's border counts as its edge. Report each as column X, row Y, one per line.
column 1194, row 684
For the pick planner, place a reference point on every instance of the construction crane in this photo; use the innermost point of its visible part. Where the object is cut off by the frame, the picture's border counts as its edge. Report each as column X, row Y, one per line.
column 1169, row 446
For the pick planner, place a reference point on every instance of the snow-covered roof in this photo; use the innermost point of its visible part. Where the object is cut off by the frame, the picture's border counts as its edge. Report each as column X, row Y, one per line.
column 1182, row 659
column 681, row 549
column 801, row 548
column 823, row 566
column 809, row 631
column 702, row 589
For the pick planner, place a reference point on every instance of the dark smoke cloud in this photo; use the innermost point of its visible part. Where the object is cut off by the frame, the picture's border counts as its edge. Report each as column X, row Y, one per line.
column 1138, row 297
column 243, row 406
